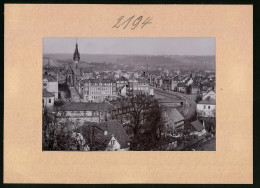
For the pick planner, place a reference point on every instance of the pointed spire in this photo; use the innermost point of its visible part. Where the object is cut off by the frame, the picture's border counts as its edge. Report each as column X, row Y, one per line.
column 76, row 56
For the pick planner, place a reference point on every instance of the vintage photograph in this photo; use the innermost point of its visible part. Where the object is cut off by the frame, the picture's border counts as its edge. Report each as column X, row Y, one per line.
column 128, row 94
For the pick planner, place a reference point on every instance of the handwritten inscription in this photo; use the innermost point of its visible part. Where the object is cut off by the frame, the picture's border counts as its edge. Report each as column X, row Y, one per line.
column 125, row 22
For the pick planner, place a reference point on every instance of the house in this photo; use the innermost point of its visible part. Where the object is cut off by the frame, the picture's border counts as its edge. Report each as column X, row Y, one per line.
column 197, row 128
column 50, row 83
column 207, row 108
column 173, row 118
column 85, row 112
column 121, row 82
column 190, row 81
column 140, row 85
column 211, row 94
column 195, row 89
column 108, row 136
column 122, row 90
column 98, row 90
column 182, row 87
column 47, row 99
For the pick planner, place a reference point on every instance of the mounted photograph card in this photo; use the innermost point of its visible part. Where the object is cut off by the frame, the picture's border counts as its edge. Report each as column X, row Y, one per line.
column 105, row 91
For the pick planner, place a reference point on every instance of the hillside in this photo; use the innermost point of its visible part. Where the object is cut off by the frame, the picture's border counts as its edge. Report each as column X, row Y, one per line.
column 170, row 61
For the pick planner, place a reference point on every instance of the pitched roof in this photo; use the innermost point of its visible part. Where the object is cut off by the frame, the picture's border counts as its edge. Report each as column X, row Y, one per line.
column 113, row 128
column 99, row 81
column 208, row 101
column 197, row 125
column 116, row 129
column 46, row 93
column 122, row 79
column 49, row 78
column 83, row 106
column 173, row 114
column 211, row 91
column 76, row 71
column 181, row 85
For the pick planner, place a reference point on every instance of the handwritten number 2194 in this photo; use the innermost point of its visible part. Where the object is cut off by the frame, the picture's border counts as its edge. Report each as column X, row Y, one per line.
column 135, row 23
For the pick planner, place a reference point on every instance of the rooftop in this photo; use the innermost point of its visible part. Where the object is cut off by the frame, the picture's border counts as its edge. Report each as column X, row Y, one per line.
column 173, row 114
column 49, row 78
column 84, row 106
column 113, row 128
column 208, row 101
column 46, row 93
column 197, row 125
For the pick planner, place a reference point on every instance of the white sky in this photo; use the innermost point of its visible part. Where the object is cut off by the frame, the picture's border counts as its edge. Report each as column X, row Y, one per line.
column 136, row 46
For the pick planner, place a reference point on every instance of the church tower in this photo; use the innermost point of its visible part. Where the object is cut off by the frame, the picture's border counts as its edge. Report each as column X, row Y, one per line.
column 76, row 56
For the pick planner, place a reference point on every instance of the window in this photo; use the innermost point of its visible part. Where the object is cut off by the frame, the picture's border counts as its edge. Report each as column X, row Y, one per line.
column 204, row 106
column 42, row 100
column 112, row 142
column 44, row 84
column 49, row 100
column 208, row 107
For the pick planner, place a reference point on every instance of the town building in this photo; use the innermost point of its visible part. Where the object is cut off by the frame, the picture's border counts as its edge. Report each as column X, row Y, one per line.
column 195, row 89
column 47, row 99
column 85, row 112
column 121, row 82
column 211, row 94
column 173, row 118
column 182, row 87
column 197, row 128
column 98, row 90
column 74, row 74
column 107, row 136
column 50, row 83
column 206, row 108
column 140, row 85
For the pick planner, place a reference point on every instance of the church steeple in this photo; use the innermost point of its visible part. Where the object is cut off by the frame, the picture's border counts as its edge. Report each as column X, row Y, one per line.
column 76, row 56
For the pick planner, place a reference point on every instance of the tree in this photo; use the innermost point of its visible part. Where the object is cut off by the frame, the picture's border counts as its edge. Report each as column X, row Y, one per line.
column 198, row 98
column 57, row 135
column 144, row 115
column 188, row 90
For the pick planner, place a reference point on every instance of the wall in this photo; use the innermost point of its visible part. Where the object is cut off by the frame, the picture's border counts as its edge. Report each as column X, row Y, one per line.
column 46, row 102
column 208, row 112
column 53, row 88
column 115, row 146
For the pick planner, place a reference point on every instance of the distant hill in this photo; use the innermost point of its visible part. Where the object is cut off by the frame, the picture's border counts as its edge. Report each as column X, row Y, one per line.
column 169, row 61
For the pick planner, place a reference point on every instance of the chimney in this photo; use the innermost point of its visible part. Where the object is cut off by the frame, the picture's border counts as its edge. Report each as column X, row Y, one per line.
column 105, row 133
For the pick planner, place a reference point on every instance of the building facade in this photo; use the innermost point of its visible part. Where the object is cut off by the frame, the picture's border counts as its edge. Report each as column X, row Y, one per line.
column 98, row 90
column 50, row 84
column 85, row 112
column 206, row 108
column 47, row 99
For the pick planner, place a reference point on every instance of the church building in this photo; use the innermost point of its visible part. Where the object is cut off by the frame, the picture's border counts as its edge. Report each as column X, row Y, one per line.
column 74, row 73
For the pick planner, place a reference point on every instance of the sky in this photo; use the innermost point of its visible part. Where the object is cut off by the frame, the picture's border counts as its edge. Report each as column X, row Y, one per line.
column 131, row 46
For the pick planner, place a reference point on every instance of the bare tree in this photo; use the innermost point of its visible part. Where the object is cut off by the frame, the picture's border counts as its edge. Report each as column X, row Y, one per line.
column 57, row 135
column 145, row 119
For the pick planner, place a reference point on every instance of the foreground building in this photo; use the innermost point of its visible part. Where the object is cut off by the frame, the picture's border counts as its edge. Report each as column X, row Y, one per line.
column 47, row 99
column 173, row 118
column 106, row 136
column 206, row 108
column 98, row 90
column 50, row 84
column 85, row 112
